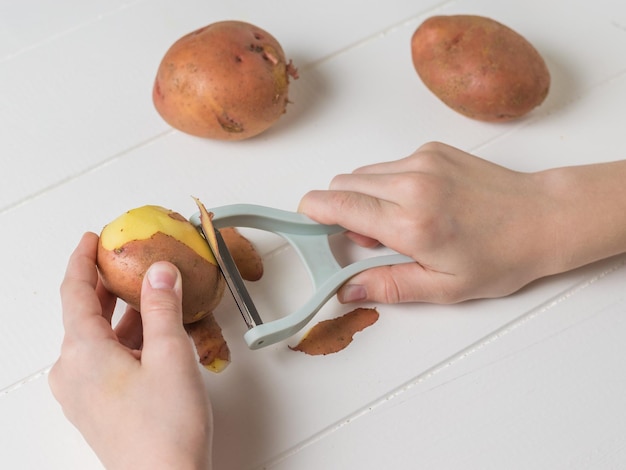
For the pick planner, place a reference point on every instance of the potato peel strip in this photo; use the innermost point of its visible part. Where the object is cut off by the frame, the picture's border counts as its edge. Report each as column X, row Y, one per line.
column 331, row 336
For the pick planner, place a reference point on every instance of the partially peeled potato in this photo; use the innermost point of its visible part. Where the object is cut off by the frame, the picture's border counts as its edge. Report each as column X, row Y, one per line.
column 130, row 244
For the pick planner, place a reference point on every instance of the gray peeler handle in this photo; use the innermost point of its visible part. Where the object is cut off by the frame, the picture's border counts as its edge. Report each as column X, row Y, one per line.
column 310, row 240
column 266, row 218
column 282, row 328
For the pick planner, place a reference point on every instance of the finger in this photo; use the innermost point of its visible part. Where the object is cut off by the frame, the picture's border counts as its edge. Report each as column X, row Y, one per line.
column 413, row 162
column 80, row 302
column 393, row 166
column 362, row 214
column 419, row 161
column 331, row 207
column 384, row 186
column 362, row 240
column 107, row 301
column 129, row 329
column 409, row 282
column 164, row 337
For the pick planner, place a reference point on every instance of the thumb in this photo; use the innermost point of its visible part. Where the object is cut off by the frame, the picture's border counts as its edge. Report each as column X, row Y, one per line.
column 408, row 282
column 161, row 308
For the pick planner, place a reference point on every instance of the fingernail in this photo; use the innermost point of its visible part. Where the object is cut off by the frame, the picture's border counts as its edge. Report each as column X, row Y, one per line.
column 162, row 276
column 352, row 293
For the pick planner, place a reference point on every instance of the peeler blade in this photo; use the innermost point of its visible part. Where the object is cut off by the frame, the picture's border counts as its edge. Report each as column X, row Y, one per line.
column 234, row 281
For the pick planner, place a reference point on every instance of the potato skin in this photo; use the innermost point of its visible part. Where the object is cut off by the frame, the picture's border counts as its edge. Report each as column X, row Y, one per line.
column 228, row 80
column 212, row 349
column 479, row 67
column 122, row 271
column 246, row 258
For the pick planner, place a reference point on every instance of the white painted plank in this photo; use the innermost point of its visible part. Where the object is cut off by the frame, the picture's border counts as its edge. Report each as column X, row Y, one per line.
column 99, row 149
column 27, row 24
column 249, row 172
column 35, row 433
column 87, row 96
column 547, row 393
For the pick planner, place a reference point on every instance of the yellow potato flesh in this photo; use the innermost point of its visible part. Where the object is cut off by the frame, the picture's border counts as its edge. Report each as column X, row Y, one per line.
column 143, row 222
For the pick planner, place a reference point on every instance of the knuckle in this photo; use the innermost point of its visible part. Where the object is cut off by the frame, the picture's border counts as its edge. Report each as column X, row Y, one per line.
column 165, row 307
column 161, row 300
column 338, row 181
column 392, row 292
column 429, row 146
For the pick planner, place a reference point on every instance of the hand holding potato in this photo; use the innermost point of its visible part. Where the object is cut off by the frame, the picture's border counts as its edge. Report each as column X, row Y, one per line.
column 136, row 396
column 475, row 229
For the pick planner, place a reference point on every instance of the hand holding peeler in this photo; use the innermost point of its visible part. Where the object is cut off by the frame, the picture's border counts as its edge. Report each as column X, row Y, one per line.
column 310, row 241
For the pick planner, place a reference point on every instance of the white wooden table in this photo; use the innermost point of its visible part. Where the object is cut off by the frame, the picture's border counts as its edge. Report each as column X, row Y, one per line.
column 534, row 380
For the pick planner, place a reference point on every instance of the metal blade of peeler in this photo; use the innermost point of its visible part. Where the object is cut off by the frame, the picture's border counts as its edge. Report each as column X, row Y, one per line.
column 234, row 280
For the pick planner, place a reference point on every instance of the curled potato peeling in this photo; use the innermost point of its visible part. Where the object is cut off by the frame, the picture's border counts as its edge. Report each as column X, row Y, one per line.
column 213, row 352
column 331, row 336
column 247, row 259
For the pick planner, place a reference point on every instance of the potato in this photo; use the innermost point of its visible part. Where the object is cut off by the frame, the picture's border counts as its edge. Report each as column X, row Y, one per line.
column 228, row 80
column 132, row 242
column 479, row 67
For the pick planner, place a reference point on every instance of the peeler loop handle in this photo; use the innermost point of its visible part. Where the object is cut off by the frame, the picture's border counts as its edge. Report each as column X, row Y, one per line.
column 266, row 218
column 278, row 330
column 310, row 240
column 307, row 237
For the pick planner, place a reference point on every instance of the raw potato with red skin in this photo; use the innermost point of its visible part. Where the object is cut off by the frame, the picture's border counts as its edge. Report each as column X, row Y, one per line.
column 479, row 67
column 228, row 80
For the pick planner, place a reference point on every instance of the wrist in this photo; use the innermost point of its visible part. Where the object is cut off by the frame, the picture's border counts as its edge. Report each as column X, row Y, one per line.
column 535, row 239
column 585, row 214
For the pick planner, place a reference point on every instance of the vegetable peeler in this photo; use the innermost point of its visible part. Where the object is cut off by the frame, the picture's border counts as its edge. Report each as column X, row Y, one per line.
column 310, row 241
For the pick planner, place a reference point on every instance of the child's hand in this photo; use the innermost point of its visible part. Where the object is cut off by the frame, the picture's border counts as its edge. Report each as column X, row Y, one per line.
column 475, row 229
column 135, row 392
